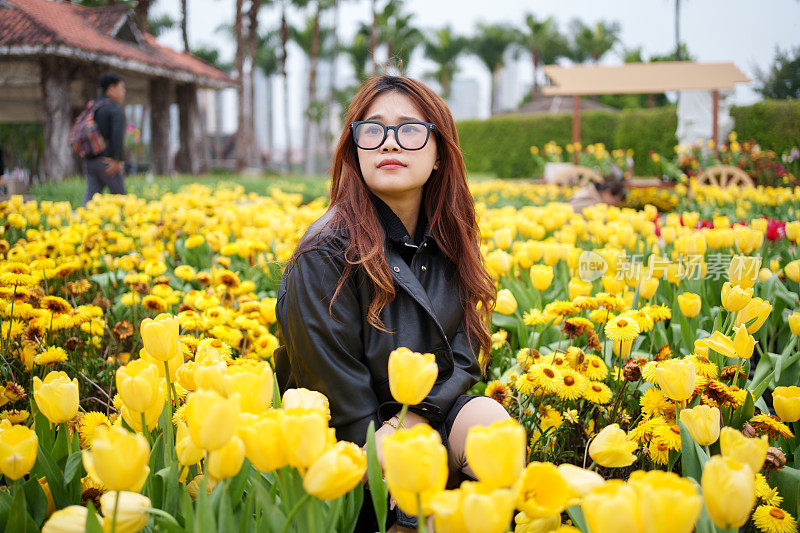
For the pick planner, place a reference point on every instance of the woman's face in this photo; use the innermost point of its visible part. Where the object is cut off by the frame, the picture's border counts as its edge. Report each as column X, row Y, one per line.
column 407, row 178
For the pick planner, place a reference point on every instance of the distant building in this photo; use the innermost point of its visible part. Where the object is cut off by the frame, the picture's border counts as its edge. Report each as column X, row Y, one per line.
column 464, row 101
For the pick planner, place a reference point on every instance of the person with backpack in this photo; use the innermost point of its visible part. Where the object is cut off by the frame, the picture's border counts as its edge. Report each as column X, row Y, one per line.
column 103, row 163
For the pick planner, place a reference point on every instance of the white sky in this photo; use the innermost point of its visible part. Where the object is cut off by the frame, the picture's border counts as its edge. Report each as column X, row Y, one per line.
column 743, row 31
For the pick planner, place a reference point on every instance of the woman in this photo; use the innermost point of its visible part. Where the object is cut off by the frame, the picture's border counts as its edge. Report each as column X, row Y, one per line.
column 393, row 262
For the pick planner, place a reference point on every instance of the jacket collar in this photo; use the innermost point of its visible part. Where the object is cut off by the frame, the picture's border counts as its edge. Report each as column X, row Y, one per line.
column 396, row 231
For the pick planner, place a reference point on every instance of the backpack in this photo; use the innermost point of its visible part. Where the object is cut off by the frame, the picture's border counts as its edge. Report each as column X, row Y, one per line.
column 85, row 137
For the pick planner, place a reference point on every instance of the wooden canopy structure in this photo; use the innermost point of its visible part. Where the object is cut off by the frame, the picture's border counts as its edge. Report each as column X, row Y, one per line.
column 52, row 53
column 641, row 78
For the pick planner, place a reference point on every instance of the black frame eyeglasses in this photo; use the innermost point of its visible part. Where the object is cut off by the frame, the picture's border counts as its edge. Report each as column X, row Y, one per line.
column 398, row 135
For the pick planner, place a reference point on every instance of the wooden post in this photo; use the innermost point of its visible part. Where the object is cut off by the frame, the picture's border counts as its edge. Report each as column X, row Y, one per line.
column 55, row 101
column 188, row 158
column 576, row 124
column 715, row 126
column 160, row 97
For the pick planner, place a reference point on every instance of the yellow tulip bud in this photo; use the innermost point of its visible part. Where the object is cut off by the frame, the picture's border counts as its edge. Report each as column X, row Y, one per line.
column 721, row 344
column 580, row 481
column 505, row 304
column 486, row 509
column 307, row 399
column 185, row 375
column 18, row 446
column 793, row 230
column 743, row 343
column 496, row 453
column 743, row 270
column 734, row 298
column 209, row 375
column 305, row 435
column 118, row 459
column 262, row 439
column 689, row 304
column 71, row 519
column 541, row 276
column 676, row 379
column 151, row 414
column 138, row 383
column 173, row 364
column 186, row 450
column 786, row 401
column 543, row 491
column 336, row 472
column 611, row 448
column 647, row 288
column 578, row 287
column 56, row 397
column 503, row 238
column 411, row 375
column 212, row 419
column 751, row 452
column 622, row 348
column 792, row 270
column 757, row 309
column 227, row 460
column 794, row 323
column 703, row 423
column 447, row 515
column 415, row 464
column 131, row 512
column 499, row 262
column 253, row 383
column 160, row 336
column 613, row 507
column 669, row 503
column 728, row 491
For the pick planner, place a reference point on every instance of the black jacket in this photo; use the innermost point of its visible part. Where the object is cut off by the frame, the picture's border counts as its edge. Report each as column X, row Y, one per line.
column 110, row 122
column 344, row 357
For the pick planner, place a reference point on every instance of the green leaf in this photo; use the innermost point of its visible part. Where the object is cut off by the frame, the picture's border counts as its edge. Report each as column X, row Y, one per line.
column 505, row 321
column 43, row 430
column 692, row 456
column 377, row 487
column 55, row 479
column 745, row 412
column 37, row 501
column 93, row 521
column 758, row 389
column 165, row 521
column 276, row 392
column 18, row 518
column 205, row 519
column 576, row 514
column 226, row 521
column 787, row 481
column 60, row 449
column 237, row 484
column 74, row 467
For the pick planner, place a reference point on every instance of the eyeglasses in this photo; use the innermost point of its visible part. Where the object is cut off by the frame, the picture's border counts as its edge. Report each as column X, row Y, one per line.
column 371, row 134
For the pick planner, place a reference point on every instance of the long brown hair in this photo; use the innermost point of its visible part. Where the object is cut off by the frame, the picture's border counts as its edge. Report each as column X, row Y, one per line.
column 448, row 205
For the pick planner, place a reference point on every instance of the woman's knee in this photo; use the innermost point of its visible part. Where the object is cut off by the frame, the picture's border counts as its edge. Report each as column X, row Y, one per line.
column 482, row 411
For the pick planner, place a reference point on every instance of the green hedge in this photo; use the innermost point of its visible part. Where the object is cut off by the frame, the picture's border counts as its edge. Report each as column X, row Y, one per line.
column 775, row 124
column 647, row 130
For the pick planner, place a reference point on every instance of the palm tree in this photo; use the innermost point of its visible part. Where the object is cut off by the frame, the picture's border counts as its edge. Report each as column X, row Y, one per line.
column 184, row 23
column 268, row 62
column 211, row 55
column 444, row 49
column 490, row 44
column 544, row 42
column 285, row 31
column 358, row 54
column 593, row 42
column 399, row 36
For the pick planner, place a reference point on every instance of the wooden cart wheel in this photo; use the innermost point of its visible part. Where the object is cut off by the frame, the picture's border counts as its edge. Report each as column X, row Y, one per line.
column 576, row 175
column 725, row 176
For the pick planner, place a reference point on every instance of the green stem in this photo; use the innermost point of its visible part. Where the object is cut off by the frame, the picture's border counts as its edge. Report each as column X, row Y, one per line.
column 593, row 466
column 421, row 525
column 736, row 375
column 293, row 512
column 69, row 440
column 145, row 429
column 116, row 508
column 402, row 416
column 170, row 442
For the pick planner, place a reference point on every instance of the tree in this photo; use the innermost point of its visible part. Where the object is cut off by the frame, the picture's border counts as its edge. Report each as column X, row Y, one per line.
column 246, row 45
column 593, row 42
column 490, row 44
column 399, row 36
column 141, row 8
column 184, row 24
column 444, row 49
column 358, row 54
column 211, row 55
column 544, row 42
column 782, row 81
column 267, row 60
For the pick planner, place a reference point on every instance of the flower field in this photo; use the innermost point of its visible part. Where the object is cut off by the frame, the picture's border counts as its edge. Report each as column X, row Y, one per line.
column 649, row 361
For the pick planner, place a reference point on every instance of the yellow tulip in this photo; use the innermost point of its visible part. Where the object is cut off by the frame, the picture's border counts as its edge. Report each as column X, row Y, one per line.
column 227, row 460
column 794, row 323
column 743, row 342
column 793, row 230
column 415, row 465
column 577, row 287
column 503, row 238
column 411, row 375
column 498, row 262
column 18, row 446
column 611, row 448
column 786, row 401
column 543, row 491
column 262, row 439
column 668, row 503
column 541, row 276
column 131, row 513
column 689, row 304
column 305, row 436
column 613, row 507
column 764, row 274
column 71, row 519
column 757, row 309
column 160, row 336
column 307, row 399
column 212, row 419
column 118, row 459
column 792, row 270
column 622, row 348
column 751, row 452
column 186, row 450
column 173, row 364
column 526, row 524
column 138, row 383
column 703, row 423
column 151, row 414
column 728, row 491
column 185, row 375
column 580, row 481
column 676, row 379
column 743, row 270
column 447, row 515
column 209, row 375
column 486, row 509
column 647, row 288
column 734, row 297
column 721, row 344
column 496, row 453
column 336, row 472
column 253, row 383
column 56, row 397
column 505, row 304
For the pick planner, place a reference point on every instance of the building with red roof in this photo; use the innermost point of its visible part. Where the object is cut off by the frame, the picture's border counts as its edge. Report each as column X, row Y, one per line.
column 52, row 53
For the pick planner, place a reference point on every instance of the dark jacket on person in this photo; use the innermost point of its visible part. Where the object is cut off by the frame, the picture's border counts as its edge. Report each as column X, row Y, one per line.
column 110, row 122
column 345, row 357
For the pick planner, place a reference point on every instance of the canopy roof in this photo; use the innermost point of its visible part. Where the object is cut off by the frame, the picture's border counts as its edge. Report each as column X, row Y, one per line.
column 642, row 78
